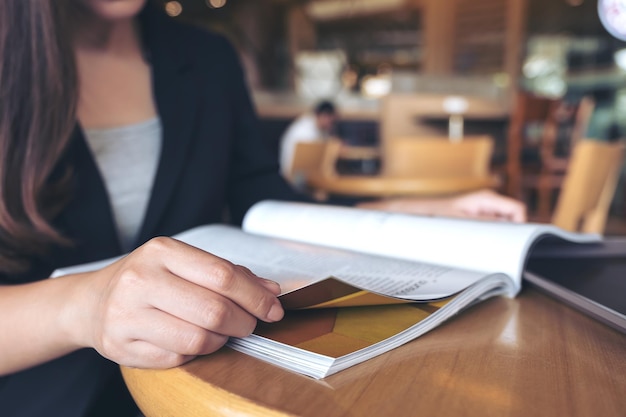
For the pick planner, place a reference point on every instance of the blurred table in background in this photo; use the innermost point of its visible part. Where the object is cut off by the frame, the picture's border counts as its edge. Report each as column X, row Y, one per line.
column 382, row 186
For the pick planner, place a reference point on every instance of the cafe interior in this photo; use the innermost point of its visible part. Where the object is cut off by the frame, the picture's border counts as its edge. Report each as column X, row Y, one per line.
column 438, row 97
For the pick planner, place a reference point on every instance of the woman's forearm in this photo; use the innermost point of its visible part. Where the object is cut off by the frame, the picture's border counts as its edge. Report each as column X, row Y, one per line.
column 38, row 322
column 158, row 307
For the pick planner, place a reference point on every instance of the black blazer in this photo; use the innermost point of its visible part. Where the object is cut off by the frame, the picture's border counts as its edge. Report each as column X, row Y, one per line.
column 213, row 163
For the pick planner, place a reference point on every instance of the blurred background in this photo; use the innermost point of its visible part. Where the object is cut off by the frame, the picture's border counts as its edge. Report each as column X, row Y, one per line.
column 361, row 53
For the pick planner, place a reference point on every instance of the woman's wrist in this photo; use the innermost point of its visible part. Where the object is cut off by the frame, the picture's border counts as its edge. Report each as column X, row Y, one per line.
column 77, row 311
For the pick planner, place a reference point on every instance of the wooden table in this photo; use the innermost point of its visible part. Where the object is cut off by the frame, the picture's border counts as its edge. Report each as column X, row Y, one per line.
column 529, row 356
column 359, row 152
column 381, row 186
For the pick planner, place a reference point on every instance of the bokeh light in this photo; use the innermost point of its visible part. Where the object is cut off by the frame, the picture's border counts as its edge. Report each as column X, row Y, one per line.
column 173, row 8
column 215, row 4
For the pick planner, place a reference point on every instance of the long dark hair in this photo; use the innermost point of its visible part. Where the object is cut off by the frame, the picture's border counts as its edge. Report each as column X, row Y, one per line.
column 38, row 96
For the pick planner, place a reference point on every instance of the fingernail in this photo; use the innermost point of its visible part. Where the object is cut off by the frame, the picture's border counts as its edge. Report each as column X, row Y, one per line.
column 276, row 312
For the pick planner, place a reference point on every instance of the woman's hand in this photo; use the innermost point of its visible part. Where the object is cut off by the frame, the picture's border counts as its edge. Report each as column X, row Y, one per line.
column 167, row 302
column 484, row 204
column 487, row 204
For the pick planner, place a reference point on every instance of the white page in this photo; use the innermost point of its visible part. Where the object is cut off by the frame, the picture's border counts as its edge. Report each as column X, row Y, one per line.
column 294, row 265
column 460, row 243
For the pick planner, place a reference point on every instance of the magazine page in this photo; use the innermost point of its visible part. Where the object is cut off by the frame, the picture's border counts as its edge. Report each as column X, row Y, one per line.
column 295, row 265
column 488, row 246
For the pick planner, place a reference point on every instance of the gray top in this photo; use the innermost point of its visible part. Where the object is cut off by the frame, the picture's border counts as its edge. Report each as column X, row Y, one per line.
column 127, row 158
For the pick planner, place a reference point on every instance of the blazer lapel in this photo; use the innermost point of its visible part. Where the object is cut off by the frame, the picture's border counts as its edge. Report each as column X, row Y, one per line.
column 88, row 218
column 176, row 101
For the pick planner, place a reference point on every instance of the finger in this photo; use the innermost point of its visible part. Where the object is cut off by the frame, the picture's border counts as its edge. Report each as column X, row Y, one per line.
column 502, row 207
column 220, row 276
column 173, row 334
column 512, row 210
column 142, row 354
column 519, row 215
column 273, row 286
column 198, row 306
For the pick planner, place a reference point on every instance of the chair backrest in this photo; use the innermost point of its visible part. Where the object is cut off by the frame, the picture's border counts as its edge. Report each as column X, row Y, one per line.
column 589, row 185
column 437, row 157
column 548, row 116
column 579, row 115
column 307, row 157
column 318, row 156
column 328, row 164
column 528, row 109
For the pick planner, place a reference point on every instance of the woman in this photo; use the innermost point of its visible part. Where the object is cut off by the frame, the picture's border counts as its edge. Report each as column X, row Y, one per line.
column 118, row 125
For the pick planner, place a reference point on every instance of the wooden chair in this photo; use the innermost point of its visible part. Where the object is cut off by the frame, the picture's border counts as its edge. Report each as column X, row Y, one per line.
column 572, row 120
column 529, row 111
column 538, row 163
column 414, row 167
column 592, row 175
column 307, row 157
column 313, row 158
column 437, row 157
column 328, row 163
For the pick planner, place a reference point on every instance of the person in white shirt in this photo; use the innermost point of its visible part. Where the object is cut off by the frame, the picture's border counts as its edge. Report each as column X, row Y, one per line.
column 317, row 125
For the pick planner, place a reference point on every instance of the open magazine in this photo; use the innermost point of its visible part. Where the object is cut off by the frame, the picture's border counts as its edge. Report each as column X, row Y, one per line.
column 357, row 283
